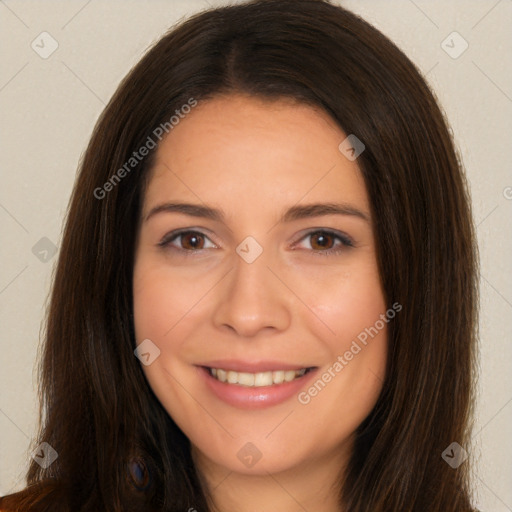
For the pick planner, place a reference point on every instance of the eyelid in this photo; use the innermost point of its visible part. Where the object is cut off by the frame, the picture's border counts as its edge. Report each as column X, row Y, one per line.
column 346, row 240
column 171, row 236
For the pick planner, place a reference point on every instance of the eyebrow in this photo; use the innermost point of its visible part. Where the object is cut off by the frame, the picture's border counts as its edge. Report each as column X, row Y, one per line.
column 293, row 213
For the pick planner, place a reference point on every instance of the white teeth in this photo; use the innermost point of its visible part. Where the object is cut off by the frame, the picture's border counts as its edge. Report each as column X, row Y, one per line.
column 263, row 379
column 232, row 377
column 278, row 377
column 289, row 375
column 246, row 379
column 256, row 379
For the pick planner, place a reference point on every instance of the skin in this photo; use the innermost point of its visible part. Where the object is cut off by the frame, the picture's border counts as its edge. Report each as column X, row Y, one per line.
column 297, row 302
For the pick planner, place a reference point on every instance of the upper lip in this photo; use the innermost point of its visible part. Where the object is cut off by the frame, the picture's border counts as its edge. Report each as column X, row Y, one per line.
column 252, row 366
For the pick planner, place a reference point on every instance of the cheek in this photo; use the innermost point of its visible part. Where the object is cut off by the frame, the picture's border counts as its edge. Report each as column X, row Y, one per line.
column 354, row 329
column 169, row 305
column 161, row 301
column 163, row 309
column 347, row 303
column 154, row 308
column 158, row 306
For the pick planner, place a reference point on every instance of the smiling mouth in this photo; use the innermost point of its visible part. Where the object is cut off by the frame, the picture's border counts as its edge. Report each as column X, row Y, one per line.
column 259, row 379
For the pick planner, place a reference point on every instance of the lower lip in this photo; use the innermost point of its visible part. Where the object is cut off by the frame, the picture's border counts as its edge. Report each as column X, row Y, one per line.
column 246, row 397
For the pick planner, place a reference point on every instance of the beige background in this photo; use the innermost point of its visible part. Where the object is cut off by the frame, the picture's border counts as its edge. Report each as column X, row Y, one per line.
column 49, row 107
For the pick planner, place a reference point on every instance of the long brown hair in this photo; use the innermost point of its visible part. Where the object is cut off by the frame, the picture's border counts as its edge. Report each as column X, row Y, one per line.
column 98, row 411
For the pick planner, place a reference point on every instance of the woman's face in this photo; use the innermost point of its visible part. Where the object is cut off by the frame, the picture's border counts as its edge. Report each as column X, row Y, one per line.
column 256, row 257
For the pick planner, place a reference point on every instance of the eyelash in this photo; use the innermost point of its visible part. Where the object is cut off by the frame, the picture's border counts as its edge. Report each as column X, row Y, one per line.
column 346, row 242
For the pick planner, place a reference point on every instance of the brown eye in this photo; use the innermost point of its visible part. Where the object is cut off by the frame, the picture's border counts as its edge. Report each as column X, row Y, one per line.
column 186, row 241
column 322, row 241
column 325, row 242
column 192, row 240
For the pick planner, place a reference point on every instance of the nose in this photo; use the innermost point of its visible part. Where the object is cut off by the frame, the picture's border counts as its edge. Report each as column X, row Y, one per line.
column 251, row 299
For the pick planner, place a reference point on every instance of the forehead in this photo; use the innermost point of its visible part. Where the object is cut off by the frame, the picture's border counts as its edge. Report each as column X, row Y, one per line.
column 266, row 153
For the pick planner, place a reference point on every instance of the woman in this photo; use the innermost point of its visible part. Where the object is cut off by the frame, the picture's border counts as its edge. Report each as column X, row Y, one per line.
column 265, row 296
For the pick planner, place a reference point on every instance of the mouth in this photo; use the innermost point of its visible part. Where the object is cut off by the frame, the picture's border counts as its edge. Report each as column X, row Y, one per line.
column 259, row 379
column 254, row 384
